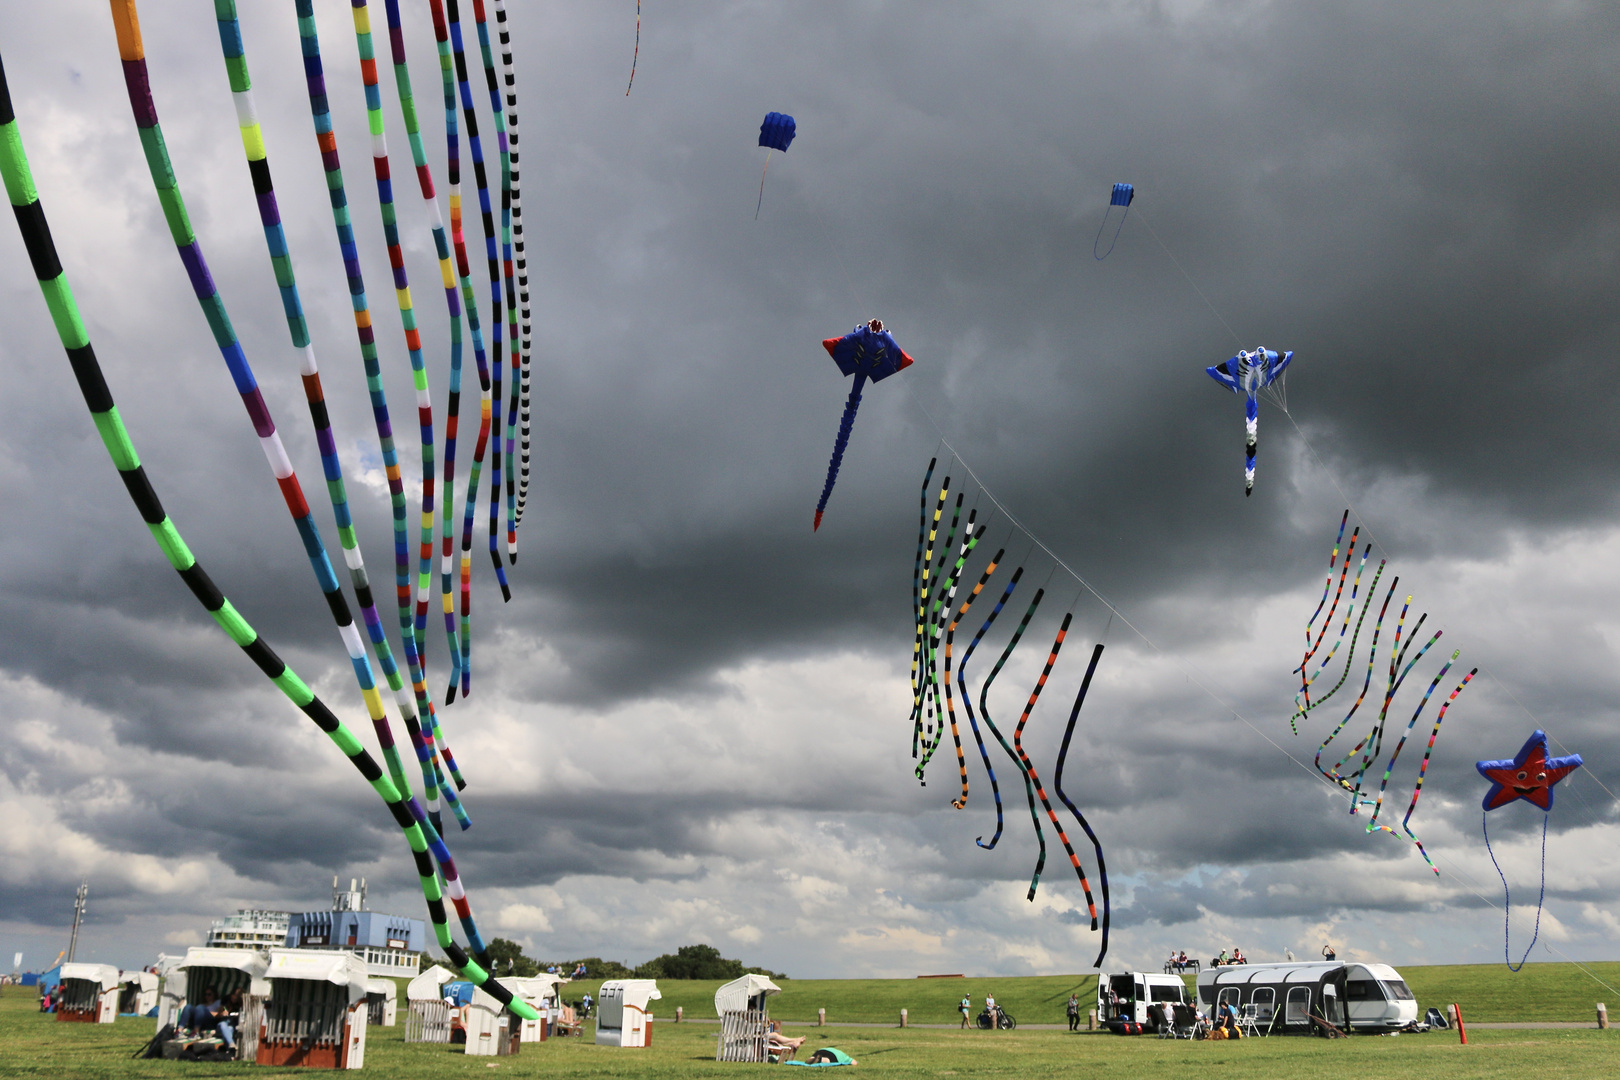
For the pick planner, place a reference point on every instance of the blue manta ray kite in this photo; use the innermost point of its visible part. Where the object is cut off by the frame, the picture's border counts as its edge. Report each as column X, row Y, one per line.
column 866, row 352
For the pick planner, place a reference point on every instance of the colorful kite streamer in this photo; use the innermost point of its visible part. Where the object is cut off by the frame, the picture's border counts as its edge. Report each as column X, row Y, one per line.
column 509, row 75
column 967, row 704
column 984, row 711
column 405, row 810
column 422, row 735
column 1057, row 785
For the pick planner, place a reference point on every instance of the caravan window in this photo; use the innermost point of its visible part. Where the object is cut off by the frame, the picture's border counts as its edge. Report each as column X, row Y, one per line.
column 1264, row 999
column 1396, row 989
column 1362, row 990
column 1298, row 1006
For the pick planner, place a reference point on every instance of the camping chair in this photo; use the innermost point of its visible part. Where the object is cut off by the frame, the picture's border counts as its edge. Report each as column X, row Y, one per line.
column 1249, row 1019
column 1186, row 1023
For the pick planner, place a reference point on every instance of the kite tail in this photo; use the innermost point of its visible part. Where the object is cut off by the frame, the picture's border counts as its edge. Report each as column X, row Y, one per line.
column 637, row 54
column 950, row 640
column 916, row 577
column 839, row 444
column 1057, row 786
column 1251, row 424
column 1389, row 766
column 1354, row 638
column 984, row 711
column 1032, row 781
column 762, row 173
column 404, row 809
column 1106, row 211
column 1046, row 803
column 1326, row 585
column 926, row 575
column 1424, row 768
column 961, row 684
column 1507, row 899
column 1372, row 659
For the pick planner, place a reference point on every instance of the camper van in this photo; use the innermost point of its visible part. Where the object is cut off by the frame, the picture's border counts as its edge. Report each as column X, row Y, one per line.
column 1127, row 996
column 1353, row 997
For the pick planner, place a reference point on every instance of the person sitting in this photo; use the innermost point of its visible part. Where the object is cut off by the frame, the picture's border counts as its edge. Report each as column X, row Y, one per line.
column 209, row 1016
column 579, row 970
column 1238, row 957
column 1170, row 964
column 1181, row 960
column 1226, row 1019
column 1223, row 959
column 780, row 1047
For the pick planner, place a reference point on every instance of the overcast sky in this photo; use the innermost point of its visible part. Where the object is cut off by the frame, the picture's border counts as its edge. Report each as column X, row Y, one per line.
column 691, row 722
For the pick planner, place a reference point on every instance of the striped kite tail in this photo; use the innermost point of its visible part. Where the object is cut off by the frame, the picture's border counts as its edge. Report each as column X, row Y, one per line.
column 842, row 441
column 1251, row 423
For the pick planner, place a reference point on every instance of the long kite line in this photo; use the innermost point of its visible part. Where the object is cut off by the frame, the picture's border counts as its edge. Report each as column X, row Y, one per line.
column 984, row 711
column 366, row 45
column 441, row 247
column 950, row 642
column 232, row 45
column 496, row 277
column 1057, row 785
column 961, row 684
column 508, row 193
column 1035, row 779
column 487, row 362
column 189, row 249
column 406, row 811
column 920, row 685
column 414, row 658
column 509, row 74
column 442, row 32
column 422, row 739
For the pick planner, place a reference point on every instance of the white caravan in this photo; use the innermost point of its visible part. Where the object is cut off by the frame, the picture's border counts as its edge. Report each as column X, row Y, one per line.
column 1350, row 996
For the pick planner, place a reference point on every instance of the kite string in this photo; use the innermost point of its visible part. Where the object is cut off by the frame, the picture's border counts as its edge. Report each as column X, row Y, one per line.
column 635, row 56
column 1507, row 905
column 1141, row 214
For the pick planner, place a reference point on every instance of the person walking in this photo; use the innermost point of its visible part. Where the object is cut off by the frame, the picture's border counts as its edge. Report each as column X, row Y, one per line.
column 965, row 1008
column 1074, row 1013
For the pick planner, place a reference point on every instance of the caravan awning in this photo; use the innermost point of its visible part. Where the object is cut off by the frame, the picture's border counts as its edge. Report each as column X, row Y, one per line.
column 105, row 975
column 338, row 968
column 735, row 995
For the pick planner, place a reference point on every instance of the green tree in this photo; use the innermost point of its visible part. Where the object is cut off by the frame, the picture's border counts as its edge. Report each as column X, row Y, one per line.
column 697, row 962
column 506, row 958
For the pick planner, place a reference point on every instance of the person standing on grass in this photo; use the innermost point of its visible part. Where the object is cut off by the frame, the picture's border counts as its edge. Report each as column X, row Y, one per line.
column 965, row 1008
column 1074, row 1013
column 992, row 1011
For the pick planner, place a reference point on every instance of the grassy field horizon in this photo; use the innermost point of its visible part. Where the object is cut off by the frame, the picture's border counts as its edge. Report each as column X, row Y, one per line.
column 34, row 1045
column 1488, row 993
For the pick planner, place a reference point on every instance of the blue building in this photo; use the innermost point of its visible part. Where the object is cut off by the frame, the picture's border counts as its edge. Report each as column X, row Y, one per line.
column 390, row 945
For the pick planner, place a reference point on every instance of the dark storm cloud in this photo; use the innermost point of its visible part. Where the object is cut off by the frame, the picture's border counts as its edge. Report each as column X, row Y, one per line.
column 1413, row 197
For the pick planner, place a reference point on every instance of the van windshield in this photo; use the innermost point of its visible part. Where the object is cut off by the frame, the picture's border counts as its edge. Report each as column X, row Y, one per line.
column 1396, row 989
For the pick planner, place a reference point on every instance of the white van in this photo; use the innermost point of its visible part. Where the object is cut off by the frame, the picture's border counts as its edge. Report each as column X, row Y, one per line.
column 1352, row 997
column 1125, row 997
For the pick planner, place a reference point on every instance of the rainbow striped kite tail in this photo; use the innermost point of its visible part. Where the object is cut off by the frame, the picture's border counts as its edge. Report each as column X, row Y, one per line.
column 500, row 571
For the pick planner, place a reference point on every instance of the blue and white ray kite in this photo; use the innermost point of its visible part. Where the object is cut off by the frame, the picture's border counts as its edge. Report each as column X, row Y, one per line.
column 1248, row 373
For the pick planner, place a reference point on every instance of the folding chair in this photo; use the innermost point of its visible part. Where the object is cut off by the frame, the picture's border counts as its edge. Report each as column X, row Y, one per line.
column 1249, row 1019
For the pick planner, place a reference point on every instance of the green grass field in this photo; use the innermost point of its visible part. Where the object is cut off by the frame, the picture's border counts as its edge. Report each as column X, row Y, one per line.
column 33, row 1044
column 1487, row 993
